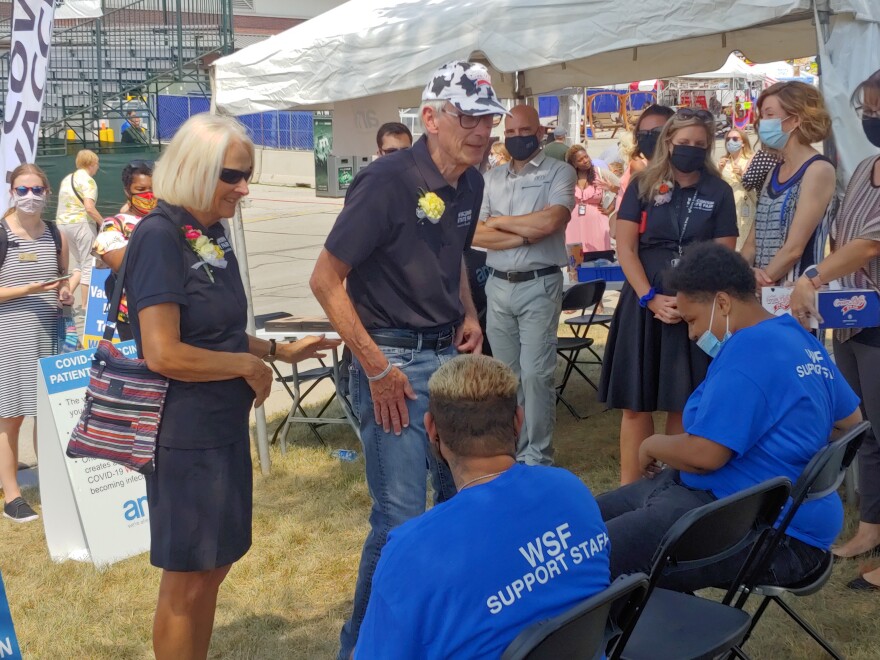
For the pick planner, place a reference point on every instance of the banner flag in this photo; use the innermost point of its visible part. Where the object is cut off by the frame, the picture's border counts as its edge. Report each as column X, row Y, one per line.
column 28, row 61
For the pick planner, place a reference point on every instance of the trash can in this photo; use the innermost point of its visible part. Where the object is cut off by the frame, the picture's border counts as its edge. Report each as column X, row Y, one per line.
column 360, row 162
column 340, row 172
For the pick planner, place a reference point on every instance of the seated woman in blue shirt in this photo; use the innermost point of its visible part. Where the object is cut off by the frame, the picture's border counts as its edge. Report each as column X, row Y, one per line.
column 770, row 401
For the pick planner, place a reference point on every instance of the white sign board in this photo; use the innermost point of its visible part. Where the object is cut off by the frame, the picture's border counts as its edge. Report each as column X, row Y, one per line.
column 93, row 510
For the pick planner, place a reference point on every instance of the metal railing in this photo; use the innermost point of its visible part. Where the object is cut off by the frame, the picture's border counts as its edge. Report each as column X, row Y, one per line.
column 133, row 49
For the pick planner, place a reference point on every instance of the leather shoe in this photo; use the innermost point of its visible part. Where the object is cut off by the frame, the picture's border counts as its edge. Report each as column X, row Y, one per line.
column 861, row 584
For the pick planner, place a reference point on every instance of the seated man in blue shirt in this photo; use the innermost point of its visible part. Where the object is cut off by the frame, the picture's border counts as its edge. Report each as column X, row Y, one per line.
column 517, row 544
column 770, row 401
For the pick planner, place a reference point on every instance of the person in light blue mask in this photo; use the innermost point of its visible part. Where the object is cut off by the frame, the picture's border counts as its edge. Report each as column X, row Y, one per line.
column 796, row 202
column 770, row 401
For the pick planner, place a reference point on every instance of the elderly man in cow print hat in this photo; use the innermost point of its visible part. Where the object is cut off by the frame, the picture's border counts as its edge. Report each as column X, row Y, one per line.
column 391, row 279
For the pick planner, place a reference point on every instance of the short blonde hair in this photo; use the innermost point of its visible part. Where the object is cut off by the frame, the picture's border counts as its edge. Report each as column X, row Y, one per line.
column 804, row 102
column 85, row 158
column 189, row 169
column 473, row 401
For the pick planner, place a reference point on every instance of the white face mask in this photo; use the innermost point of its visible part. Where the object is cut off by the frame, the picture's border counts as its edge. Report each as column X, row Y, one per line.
column 734, row 146
column 30, row 204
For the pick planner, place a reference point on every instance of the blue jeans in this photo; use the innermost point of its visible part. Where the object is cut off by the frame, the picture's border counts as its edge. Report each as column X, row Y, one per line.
column 396, row 465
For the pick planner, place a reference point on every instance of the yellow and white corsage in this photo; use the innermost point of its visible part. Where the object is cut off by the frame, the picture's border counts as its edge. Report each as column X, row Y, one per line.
column 430, row 206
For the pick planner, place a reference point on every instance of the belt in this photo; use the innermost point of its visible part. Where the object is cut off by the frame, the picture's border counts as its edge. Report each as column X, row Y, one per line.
column 524, row 276
column 432, row 341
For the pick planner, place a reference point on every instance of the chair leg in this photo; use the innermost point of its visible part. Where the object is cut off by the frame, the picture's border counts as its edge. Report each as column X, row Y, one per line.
column 812, row 632
column 755, row 618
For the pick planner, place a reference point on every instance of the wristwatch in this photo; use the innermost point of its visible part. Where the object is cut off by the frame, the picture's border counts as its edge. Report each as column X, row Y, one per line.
column 270, row 356
column 812, row 274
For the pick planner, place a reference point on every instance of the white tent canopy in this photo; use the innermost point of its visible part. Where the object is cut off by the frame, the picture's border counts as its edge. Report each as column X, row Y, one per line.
column 369, row 47
column 733, row 68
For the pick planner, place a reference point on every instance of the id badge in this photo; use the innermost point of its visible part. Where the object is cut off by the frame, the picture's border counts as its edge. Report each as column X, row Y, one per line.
column 582, row 209
column 30, row 257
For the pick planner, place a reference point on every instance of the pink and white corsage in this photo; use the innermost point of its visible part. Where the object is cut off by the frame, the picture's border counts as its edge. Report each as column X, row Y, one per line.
column 664, row 194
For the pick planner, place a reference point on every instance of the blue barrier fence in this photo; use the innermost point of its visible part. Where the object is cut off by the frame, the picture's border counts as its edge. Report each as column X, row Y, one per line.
column 548, row 106
column 277, row 129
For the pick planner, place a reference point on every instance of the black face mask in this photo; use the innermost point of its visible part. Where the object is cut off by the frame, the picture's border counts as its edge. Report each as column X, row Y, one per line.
column 647, row 143
column 521, row 147
column 686, row 158
column 871, row 126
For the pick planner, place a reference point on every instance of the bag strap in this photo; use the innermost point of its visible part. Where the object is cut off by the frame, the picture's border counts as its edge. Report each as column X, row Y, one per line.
column 4, row 240
column 53, row 231
column 75, row 191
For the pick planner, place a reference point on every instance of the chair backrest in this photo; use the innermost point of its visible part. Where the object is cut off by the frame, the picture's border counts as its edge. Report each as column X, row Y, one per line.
column 584, row 630
column 714, row 532
column 584, row 295
column 822, row 476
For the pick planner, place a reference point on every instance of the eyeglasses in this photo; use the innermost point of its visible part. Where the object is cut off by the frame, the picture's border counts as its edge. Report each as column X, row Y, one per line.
column 21, row 191
column 653, row 131
column 385, row 152
column 689, row 113
column 231, row 176
column 469, row 122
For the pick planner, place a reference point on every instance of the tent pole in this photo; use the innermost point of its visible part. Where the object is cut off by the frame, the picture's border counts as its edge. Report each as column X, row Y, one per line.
column 238, row 244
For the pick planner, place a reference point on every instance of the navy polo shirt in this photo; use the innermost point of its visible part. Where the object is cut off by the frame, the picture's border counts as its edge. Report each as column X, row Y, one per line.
column 712, row 213
column 213, row 316
column 406, row 270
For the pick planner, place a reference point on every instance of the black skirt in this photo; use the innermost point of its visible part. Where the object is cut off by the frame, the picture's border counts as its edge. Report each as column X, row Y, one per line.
column 201, row 505
column 649, row 365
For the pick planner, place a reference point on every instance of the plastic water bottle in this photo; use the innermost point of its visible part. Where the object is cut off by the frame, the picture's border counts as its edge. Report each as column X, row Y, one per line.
column 347, row 455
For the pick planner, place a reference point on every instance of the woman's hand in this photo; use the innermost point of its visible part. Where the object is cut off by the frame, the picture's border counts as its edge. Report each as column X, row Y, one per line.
column 803, row 302
column 65, row 297
column 722, row 162
column 762, row 278
column 40, row 287
column 306, row 348
column 259, row 377
column 665, row 309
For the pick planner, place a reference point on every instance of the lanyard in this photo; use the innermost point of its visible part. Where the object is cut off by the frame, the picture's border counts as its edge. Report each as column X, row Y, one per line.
column 687, row 218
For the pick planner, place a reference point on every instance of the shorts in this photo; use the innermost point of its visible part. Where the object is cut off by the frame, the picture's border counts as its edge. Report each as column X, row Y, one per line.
column 80, row 240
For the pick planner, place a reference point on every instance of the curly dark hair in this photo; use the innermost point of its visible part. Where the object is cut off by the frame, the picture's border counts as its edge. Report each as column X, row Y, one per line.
column 708, row 268
column 134, row 168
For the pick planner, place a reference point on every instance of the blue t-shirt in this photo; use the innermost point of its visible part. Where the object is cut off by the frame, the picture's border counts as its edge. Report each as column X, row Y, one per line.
column 771, row 396
column 464, row 579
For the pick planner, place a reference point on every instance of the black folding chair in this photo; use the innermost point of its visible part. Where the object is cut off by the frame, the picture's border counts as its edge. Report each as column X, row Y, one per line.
column 677, row 626
column 581, row 324
column 584, row 631
column 822, row 476
column 582, row 296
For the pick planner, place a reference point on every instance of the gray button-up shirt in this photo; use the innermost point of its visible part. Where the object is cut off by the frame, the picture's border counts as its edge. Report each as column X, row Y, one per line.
column 541, row 183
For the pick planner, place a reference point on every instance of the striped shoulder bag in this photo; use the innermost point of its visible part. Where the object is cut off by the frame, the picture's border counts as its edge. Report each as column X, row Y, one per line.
column 123, row 403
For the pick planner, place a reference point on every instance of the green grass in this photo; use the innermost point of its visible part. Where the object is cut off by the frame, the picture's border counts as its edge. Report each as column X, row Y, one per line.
column 290, row 594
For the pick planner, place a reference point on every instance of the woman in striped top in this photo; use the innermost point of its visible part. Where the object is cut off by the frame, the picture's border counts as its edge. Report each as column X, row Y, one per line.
column 856, row 262
column 28, row 318
column 790, row 226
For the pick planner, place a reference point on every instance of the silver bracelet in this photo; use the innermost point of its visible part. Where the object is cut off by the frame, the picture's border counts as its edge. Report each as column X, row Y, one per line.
column 380, row 376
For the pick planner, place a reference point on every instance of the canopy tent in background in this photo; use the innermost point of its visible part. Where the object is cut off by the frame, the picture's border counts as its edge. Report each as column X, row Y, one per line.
column 734, row 67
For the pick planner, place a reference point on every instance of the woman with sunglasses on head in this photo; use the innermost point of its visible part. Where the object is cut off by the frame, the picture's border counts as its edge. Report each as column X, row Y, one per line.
column 650, row 364
column 733, row 165
column 137, row 184
column 855, row 260
column 188, row 313
column 645, row 134
column 791, row 219
column 30, row 292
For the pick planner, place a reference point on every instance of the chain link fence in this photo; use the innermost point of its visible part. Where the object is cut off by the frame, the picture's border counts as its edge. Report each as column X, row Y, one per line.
column 276, row 130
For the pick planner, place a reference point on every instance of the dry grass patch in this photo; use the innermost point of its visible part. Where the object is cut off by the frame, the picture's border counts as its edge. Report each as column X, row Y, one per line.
column 291, row 593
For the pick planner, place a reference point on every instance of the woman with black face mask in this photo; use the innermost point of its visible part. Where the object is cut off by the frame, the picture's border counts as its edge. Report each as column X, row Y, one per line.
column 650, row 363
column 645, row 133
column 855, row 260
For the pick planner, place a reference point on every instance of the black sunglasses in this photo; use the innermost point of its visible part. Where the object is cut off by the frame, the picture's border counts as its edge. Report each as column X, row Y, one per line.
column 148, row 164
column 385, row 152
column 231, row 176
column 653, row 131
column 21, row 191
column 690, row 113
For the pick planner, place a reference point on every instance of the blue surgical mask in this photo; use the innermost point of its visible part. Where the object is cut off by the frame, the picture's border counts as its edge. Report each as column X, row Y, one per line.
column 708, row 342
column 734, row 146
column 771, row 133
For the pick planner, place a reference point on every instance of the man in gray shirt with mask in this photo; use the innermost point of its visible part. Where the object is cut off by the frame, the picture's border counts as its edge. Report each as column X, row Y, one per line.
column 526, row 207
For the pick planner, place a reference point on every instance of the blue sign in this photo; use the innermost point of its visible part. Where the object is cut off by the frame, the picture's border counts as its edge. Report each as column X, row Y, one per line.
column 97, row 308
column 8, row 641
column 70, row 371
